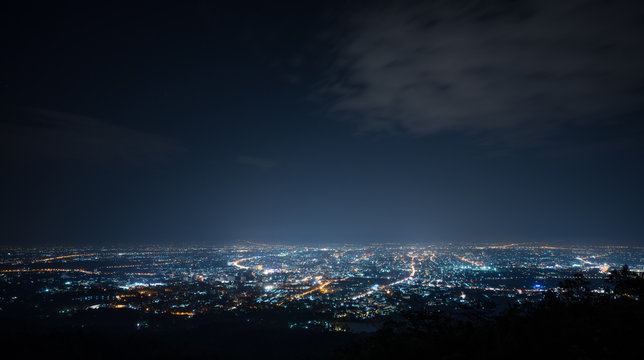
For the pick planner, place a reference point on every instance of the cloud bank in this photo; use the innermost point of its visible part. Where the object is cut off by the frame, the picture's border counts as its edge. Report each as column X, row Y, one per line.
column 526, row 67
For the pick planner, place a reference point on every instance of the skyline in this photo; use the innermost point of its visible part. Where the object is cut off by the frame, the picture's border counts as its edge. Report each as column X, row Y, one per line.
column 322, row 123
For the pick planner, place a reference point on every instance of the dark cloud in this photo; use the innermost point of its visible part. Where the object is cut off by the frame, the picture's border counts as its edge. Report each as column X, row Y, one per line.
column 53, row 134
column 255, row 161
column 522, row 68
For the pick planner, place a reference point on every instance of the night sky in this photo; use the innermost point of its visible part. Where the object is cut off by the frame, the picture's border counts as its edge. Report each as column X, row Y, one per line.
column 203, row 123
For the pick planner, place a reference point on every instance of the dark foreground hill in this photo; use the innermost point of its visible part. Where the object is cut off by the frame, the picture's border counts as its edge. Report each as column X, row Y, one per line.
column 107, row 338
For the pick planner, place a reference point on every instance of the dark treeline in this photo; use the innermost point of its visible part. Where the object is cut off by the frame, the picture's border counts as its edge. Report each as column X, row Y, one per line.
column 108, row 334
column 571, row 322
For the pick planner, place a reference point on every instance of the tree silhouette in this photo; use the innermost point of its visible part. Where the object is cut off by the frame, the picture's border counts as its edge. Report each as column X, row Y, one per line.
column 625, row 282
column 577, row 288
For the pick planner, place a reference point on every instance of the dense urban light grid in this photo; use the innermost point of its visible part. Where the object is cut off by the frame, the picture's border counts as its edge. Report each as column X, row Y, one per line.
column 338, row 286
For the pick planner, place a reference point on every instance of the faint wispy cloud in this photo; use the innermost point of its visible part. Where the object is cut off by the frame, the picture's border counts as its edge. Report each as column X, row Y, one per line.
column 55, row 134
column 255, row 161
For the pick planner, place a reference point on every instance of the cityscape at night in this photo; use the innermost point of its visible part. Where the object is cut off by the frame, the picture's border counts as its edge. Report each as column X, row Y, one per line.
column 322, row 180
